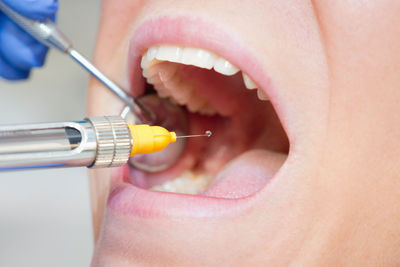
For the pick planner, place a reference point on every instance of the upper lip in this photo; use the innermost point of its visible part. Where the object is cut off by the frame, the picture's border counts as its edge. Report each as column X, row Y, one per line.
column 127, row 198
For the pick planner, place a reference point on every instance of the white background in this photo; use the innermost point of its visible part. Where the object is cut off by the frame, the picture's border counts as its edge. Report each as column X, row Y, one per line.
column 45, row 214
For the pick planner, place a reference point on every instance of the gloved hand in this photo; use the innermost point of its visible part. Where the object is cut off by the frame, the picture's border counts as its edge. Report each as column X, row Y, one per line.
column 19, row 52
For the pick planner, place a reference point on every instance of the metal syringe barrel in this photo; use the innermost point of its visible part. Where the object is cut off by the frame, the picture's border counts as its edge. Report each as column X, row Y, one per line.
column 94, row 142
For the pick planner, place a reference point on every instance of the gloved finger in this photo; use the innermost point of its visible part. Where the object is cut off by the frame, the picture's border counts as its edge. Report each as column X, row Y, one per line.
column 18, row 48
column 11, row 73
column 34, row 9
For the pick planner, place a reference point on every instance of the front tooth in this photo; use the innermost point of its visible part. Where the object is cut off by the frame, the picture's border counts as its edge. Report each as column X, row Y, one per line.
column 248, row 82
column 169, row 53
column 261, row 95
column 198, row 57
column 223, row 66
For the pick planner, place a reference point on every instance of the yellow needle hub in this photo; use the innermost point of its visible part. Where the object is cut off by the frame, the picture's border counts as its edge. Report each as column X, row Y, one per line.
column 149, row 139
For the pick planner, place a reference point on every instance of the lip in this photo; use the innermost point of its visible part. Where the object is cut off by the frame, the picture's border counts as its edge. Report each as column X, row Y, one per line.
column 126, row 198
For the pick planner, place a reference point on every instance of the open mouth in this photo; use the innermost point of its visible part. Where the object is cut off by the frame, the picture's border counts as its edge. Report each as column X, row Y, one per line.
column 248, row 144
column 221, row 92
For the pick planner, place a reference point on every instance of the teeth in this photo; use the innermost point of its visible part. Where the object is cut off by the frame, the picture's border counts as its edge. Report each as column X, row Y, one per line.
column 189, row 56
column 248, row 82
column 149, row 58
column 223, row 66
column 168, row 81
column 169, row 53
column 261, row 95
column 187, row 183
column 251, row 85
column 198, row 57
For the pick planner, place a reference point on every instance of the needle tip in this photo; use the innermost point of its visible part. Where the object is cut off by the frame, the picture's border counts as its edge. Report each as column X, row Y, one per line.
column 206, row 134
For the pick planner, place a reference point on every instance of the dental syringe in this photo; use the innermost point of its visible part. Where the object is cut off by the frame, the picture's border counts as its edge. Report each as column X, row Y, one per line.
column 96, row 142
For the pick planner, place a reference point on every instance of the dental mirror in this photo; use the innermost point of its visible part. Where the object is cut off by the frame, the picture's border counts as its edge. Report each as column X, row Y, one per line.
column 169, row 116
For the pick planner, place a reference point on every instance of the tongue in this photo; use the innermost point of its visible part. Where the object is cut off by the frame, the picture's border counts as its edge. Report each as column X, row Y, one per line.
column 246, row 174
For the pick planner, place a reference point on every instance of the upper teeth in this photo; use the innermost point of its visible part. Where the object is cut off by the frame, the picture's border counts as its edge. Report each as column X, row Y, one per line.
column 198, row 57
column 223, row 66
column 248, row 82
column 192, row 56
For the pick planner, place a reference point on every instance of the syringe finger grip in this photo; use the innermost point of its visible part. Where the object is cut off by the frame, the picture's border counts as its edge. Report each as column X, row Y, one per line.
column 113, row 141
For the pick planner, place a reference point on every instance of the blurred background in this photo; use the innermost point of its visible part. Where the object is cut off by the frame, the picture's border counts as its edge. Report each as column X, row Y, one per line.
column 45, row 215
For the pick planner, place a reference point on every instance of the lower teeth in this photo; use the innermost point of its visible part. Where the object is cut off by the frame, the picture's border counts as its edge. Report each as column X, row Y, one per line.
column 187, row 183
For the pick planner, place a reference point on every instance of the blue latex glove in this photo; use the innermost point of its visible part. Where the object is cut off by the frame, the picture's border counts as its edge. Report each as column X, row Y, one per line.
column 19, row 52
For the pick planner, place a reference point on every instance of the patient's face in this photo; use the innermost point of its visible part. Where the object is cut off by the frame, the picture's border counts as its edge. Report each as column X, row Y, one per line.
column 302, row 98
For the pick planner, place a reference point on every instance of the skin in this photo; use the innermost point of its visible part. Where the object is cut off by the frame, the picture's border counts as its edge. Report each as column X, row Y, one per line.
column 340, row 206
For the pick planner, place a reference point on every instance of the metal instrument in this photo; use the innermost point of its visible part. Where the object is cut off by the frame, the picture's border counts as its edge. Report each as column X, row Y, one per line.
column 47, row 33
column 93, row 142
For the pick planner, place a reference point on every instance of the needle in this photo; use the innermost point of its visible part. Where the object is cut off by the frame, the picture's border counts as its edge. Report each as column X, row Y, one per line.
column 206, row 134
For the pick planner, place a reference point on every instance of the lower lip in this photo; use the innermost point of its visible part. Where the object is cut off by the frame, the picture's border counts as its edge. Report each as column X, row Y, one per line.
column 129, row 199
column 126, row 198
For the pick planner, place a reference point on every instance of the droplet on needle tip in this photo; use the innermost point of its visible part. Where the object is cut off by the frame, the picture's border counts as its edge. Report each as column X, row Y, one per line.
column 206, row 134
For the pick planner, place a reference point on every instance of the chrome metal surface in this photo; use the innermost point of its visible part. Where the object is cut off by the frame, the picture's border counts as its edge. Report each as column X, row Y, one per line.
column 39, row 140
column 113, row 141
column 101, row 142
column 45, row 153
